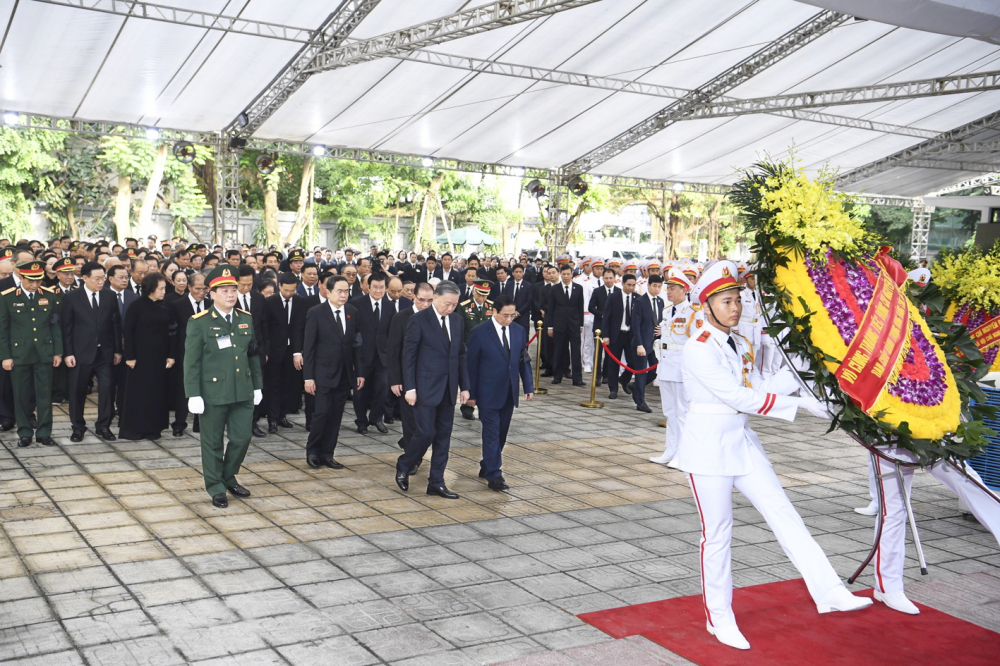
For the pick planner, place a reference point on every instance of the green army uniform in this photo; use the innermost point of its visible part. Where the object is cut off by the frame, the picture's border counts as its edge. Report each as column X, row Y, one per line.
column 30, row 335
column 224, row 375
column 473, row 315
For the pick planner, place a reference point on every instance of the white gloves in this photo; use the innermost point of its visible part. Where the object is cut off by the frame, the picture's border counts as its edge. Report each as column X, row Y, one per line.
column 196, row 405
column 818, row 409
column 258, row 397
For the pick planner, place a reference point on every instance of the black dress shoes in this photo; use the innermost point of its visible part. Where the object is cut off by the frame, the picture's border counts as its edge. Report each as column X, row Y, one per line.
column 315, row 463
column 284, row 423
column 106, row 435
column 441, row 491
column 33, row 422
column 388, row 420
column 613, row 395
column 627, row 389
column 332, row 464
column 380, row 426
column 177, row 432
column 24, row 441
column 414, row 469
column 45, row 441
column 643, row 407
column 272, row 427
column 257, row 432
column 6, row 425
column 220, row 500
column 580, row 383
column 557, row 381
column 77, row 435
column 197, row 425
column 362, row 430
column 498, row 485
column 482, row 473
column 402, row 478
column 238, row 490
column 547, row 373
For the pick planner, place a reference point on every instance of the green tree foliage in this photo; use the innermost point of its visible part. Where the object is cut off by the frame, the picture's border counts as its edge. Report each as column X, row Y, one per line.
column 81, row 183
column 892, row 222
column 26, row 155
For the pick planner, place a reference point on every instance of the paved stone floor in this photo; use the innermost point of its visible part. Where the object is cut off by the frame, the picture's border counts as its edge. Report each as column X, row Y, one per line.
column 111, row 553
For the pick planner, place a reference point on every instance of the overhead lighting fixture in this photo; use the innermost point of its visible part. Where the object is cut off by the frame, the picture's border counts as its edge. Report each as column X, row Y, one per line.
column 265, row 163
column 11, row 118
column 427, row 162
column 184, row 152
column 578, row 186
column 678, row 187
column 535, row 188
column 242, row 120
column 319, row 151
column 152, row 134
column 596, row 179
column 517, row 171
column 237, row 143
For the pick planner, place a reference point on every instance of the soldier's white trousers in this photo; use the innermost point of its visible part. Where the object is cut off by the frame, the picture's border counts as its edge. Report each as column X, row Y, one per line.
column 587, row 342
column 675, row 409
column 714, row 498
column 891, row 553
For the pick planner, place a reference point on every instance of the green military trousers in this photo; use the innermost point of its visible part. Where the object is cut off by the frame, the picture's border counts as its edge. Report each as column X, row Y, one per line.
column 219, row 462
column 37, row 376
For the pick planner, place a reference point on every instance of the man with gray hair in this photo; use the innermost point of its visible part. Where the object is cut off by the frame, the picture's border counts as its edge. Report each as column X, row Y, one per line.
column 433, row 372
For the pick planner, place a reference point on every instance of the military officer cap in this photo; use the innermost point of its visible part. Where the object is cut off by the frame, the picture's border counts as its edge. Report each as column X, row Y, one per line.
column 7, row 253
column 652, row 264
column 131, row 253
column 586, row 262
column 744, row 270
column 74, row 246
column 296, row 255
column 222, row 275
column 718, row 278
column 614, row 263
column 31, row 270
column 676, row 276
column 482, row 287
column 64, row 265
column 597, row 261
column 920, row 276
column 630, row 267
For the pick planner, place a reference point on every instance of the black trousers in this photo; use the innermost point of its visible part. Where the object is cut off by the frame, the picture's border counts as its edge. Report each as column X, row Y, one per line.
column 78, row 379
column 326, row 419
column 619, row 349
column 434, row 424
column 409, row 421
column 560, row 361
column 369, row 402
column 6, row 397
column 282, row 387
column 118, row 379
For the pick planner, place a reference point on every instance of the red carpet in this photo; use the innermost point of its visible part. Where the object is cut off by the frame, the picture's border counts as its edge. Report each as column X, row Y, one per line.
column 783, row 627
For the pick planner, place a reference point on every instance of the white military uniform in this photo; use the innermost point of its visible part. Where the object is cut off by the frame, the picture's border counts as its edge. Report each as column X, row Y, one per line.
column 589, row 283
column 751, row 319
column 719, row 452
column 678, row 325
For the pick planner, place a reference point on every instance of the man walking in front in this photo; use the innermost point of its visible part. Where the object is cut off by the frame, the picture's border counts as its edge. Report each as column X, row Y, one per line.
column 433, row 371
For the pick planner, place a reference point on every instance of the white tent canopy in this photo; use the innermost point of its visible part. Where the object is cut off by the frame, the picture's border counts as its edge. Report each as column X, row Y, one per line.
column 89, row 59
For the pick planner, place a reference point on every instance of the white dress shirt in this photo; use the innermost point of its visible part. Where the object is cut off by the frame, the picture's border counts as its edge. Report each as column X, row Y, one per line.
column 197, row 306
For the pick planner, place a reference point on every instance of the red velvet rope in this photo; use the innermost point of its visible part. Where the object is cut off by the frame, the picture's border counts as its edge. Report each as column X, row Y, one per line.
column 634, row 372
column 531, row 340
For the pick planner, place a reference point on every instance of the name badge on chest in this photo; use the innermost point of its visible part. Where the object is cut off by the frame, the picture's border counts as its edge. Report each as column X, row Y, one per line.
column 224, row 341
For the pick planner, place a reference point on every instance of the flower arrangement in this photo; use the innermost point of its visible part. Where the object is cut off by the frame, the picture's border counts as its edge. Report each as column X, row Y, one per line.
column 840, row 304
column 970, row 283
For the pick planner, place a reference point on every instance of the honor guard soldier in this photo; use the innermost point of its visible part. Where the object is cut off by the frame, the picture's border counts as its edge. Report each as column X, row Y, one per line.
column 679, row 323
column 223, row 383
column 475, row 311
column 752, row 318
column 31, row 346
column 719, row 452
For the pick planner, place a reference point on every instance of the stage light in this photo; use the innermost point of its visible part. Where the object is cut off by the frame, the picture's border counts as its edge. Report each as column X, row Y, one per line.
column 517, row 171
column 152, row 134
column 265, row 163
column 597, row 180
column 535, row 188
column 242, row 120
column 184, row 152
column 578, row 186
column 427, row 162
column 319, row 151
column 11, row 118
column 237, row 143
column 678, row 187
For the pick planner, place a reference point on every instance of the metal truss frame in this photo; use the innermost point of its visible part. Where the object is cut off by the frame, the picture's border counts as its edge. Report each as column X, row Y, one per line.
column 784, row 46
column 494, row 15
column 886, row 92
column 333, row 32
column 920, row 233
column 227, row 191
column 979, row 181
column 110, row 128
column 930, row 148
column 949, row 165
column 191, row 17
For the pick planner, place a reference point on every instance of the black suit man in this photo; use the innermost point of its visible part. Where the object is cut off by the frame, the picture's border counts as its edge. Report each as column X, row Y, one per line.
column 117, row 287
column 564, row 323
column 92, row 338
column 497, row 357
column 598, row 302
column 395, row 303
column 646, row 316
column 286, row 319
column 329, row 370
column 519, row 290
column 424, row 295
column 415, row 273
column 433, row 371
column 373, row 314
column 616, row 333
column 181, row 310
column 250, row 300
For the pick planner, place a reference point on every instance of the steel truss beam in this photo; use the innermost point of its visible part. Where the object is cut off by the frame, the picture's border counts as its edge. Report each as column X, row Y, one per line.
column 781, row 48
column 190, row 17
column 920, row 233
column 886, row 92
column 949, row 165
column 983, row 181
column 107, row 128
column 332, row 33
column 455, row 26
column 227, row 192
column 886, row 200
column 932, row 148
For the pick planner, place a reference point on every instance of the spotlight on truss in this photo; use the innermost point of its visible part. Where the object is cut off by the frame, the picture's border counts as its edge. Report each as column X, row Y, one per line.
column 152, row 134
column 427, row 162
column 11, row 118
column 578, row 186
column 184, row 152
column 517, row 171
column 535, row 188
column 319, row 151
column 265, row 163
column 237, row 143
column 678, row 187
column 242, row 120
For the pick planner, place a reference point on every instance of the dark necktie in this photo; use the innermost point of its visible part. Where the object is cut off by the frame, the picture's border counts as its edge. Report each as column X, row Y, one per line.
column 30, row 295
column 229, row 321
column 246, row 303
column 659, row 309
column 121, row 305
column 732, row 345
column 506, row 343
column 567, row 292
column 377, row 318
column 628, row 310
column 673, row 311
column 336, row 318
column 516, row 286
column 444, row 327
column 286, row 311
column 93, row 301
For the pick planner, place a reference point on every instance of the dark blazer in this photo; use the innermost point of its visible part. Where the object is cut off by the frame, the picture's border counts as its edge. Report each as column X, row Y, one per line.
column 524, row 301
column 128, row 298
column 564, row 315
column 466, row 291
column 644, row 319
column 301, row 289
column 455, row 275
column 598, row 300
column 430, row 364
column 368, row 328
column 83, row 329
column 180, row 311
column 394, row 346
column 493, row 373
column 259, row 314
column 415, row 274
column 355, row 289
column 382, row 339
column 284, row 337
column 487, row 273
column 614, row 313
column 328, row 351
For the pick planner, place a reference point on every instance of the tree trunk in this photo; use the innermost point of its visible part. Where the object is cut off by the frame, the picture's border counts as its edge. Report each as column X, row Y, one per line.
column 304, row 212
column 713, row 228
column 123, row 208
column 152, row 189
column 71, row 219
column 420, row 224
column 271, row 213
column 447, row 230
column 574, row 222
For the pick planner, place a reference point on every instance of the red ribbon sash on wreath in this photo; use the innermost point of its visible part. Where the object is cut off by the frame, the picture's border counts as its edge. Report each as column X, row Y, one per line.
column 986, row 335
column 878, row 345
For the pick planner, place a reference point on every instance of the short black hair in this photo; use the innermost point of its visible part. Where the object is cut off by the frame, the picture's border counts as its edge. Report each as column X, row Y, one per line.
column 655, row 279
column 333, row 280
column 89, row 266
column 151, row 283
column 627, row 277
column 516, row 267
column 245, row 270
column 287, row 278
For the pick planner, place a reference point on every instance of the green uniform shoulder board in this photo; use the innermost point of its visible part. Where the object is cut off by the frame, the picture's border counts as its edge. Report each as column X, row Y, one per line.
column 7, row 291
column 200, row 314
column 243, row 311
column 488, row 302
column 51, row 290
column 463, row 303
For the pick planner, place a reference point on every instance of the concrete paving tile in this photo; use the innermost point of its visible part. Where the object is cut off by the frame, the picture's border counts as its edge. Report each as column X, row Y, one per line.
column 436, row 604
column 256, row 658
column 572, row 637
column 152, row 570
column 304, row 573
column 466, row 630
column 150, row 650
column 554, row 586
column 429, row 556
column 336, row 593
column 218, row 641
column 21, row 587
column 335, row 651
column 33, row 639
column 161, row 593
column 209, row 563
column 501, row 651
column 267, row 603
column 537, row 618
column 110, row 628
column 93, row 602
column 238, row 582
column 400, row 583
column 207, row 612
column 403, row 642
column 459, row 575
column 379, row 614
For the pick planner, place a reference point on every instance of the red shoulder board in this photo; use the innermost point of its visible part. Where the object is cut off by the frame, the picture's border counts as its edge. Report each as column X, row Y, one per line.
column 705, row 335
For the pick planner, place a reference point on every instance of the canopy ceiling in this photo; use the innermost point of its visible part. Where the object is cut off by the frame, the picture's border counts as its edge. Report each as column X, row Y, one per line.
column 71, row 62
